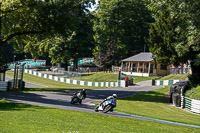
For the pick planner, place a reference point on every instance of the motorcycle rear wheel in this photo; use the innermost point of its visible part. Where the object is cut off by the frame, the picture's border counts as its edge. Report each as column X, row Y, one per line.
column 107, row 108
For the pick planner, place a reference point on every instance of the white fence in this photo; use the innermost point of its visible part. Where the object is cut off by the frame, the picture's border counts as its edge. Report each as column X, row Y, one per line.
column 119, row 83
column 190, row 104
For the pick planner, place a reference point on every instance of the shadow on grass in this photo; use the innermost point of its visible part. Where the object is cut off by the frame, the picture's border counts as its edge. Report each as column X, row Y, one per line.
column 8, row 105
column 86, row 74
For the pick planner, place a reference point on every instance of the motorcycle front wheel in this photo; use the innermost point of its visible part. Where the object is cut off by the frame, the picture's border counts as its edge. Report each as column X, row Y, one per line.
column 107, row 108
column 96, row 108
column 74, row 100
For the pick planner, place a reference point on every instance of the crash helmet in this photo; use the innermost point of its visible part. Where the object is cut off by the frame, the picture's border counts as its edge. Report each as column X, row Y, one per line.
column 115, row 95
column 84, row 90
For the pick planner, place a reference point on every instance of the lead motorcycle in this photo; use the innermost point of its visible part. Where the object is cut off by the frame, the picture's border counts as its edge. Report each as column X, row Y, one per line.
column 77, row 98
column 106, row 106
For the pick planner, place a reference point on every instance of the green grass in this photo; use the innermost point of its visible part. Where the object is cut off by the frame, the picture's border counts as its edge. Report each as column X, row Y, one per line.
column 111, row 77
column 193, row 93
column 100, row 77
column 174, row 77
column 153, row 104
column 94, row 77
column 23, row 118
column 51, row 85
column 137, row 79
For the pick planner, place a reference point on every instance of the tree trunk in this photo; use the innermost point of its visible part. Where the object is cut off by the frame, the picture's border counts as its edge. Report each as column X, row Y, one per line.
column 75, row 68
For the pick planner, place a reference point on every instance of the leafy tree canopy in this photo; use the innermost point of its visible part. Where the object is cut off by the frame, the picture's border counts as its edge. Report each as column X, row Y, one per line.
column 23, row 20
column 174, row 37
column 42, row 26
column 122, row 24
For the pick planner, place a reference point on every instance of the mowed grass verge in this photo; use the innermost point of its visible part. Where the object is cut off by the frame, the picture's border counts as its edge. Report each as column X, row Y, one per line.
column 23, row 118
column 154, row 104
column 174, row 77
column 194, row 93
column 111, row 77
column 51, row 85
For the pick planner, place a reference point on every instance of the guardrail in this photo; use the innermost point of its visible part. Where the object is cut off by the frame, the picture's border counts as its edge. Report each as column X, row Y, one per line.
column 190, row 104
column 119, row 83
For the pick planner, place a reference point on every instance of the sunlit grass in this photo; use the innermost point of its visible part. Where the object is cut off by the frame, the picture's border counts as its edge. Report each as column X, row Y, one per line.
column 174, row 77
column 154, row 104
column 22, row 118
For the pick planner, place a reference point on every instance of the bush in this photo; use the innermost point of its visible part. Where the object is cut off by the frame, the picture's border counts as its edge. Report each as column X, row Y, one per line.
column 194, row 80
column 193, row 93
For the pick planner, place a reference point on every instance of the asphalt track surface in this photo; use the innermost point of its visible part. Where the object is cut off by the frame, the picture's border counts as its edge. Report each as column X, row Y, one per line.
column 62, row 100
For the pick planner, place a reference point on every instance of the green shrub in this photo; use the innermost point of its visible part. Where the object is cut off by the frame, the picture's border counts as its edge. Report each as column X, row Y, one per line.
column 194, row 80
column 193, row 93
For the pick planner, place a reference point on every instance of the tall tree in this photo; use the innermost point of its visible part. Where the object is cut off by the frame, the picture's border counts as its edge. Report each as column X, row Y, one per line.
column 43, row 25
column 79, row 44
column 174, row 36
column 24, row 19
column 122, row 23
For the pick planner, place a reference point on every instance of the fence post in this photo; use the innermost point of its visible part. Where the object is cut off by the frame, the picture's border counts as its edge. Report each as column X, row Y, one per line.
column 153, row 82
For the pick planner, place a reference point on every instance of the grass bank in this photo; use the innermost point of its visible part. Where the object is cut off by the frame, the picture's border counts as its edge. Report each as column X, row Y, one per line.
column 111, row 77
column 174, row 77
column 194, row 93
column 154, row 104
column 22, row 118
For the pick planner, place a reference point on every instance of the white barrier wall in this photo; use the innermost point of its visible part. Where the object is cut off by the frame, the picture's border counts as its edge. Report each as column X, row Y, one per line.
column 190, row 104
column 120, row 83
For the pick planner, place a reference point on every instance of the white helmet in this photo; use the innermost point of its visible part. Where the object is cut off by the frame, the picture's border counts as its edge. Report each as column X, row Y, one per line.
column 115, row 95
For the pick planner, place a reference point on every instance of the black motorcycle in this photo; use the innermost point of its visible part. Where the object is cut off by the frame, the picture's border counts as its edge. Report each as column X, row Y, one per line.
column 77, row 98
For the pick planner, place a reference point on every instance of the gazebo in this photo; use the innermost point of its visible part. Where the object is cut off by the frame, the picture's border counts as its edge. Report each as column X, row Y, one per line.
column 143, row 64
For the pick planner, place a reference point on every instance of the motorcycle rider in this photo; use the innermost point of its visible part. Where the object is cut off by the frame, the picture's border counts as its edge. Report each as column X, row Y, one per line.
column 83, row 93
column 114, row 96
column 107, row 106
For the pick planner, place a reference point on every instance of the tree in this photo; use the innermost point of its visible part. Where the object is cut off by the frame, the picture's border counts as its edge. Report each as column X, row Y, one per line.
column 122, row 23
column 42, row 26
column 22, row 21
column 174, row 36
column 79, row 44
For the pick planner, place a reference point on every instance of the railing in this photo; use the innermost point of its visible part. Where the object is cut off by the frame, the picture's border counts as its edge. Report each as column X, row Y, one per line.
column 70, row 74
column 136, row 69
column 180, row 71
